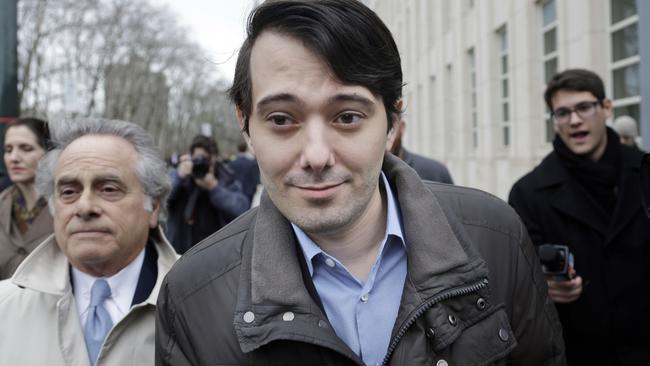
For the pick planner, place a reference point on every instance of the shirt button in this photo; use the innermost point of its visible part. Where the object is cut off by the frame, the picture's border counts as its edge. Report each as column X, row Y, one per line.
column 364, row 297
column 442, row 363
column 330, row 262
column 249, row 317
column 288, row 316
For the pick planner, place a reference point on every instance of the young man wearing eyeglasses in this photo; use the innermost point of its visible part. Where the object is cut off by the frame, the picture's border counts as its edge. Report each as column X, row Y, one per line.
column 585, row 195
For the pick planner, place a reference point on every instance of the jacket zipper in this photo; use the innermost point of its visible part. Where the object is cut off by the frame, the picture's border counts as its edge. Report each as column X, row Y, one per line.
column 426, row 306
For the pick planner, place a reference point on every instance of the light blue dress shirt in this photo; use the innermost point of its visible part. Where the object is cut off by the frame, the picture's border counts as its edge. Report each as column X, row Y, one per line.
column 362, row 314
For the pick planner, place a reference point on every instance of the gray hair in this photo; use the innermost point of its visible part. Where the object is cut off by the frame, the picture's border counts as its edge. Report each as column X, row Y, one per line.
column 151, row 169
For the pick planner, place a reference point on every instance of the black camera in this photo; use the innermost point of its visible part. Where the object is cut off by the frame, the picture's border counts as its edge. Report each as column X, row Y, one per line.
column 556, row 261
column 200, row 166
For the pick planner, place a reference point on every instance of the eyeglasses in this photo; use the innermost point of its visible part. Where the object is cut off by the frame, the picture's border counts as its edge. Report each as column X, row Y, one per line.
column 583, row 109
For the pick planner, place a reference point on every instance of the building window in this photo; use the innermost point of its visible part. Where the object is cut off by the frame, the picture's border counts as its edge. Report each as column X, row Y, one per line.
column 624, row 30
column 549, row 54
column 473, row 110
column 502, row 35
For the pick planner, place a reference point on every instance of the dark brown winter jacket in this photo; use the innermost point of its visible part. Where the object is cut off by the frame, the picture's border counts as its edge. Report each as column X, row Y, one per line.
column 474, row 293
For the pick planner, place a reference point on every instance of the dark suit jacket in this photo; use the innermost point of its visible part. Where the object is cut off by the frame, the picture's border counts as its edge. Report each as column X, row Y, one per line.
column 247, row 173
column 428, row 169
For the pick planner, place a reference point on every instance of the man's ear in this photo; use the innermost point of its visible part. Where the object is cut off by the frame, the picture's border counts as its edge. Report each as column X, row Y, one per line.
column 241, row 120
column 155, row 213
column 392, row 135
column 608, row 107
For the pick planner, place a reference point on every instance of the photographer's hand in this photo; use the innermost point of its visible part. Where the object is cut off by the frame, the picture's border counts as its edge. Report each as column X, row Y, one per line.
column 184, row 165
column 208, row 182
column 563, row 292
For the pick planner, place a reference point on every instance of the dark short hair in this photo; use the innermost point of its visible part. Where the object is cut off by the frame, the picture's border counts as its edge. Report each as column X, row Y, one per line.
column 205, row 143
column 38, row 127
column 349, row 37
column 579, row 80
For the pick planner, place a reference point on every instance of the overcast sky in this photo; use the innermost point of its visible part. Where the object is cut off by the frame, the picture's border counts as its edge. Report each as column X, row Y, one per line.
column 217, row 25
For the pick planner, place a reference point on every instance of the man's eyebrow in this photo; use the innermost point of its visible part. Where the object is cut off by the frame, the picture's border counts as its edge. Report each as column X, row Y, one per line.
column 98, row 179
column 281, row 97
column 65, row 180
column 345, row 97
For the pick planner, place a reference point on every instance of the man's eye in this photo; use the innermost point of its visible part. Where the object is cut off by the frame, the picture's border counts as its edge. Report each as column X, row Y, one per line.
column 111, row 192
column 279, row 120
column 583, row 107
column 562, row 112
column 349, row 118
column 67, row 193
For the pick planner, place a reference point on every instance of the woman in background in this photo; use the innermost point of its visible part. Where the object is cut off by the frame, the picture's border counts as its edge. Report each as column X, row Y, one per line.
column 24, row 218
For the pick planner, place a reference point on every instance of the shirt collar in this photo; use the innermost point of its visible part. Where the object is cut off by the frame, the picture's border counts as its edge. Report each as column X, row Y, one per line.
column 122, row 284
column 393, row 227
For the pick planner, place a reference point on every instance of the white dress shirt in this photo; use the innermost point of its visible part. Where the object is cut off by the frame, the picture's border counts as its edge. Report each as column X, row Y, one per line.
column 122, row 284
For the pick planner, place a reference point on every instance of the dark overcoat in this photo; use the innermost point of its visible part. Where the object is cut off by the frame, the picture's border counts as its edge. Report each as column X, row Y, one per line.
column 608, row 324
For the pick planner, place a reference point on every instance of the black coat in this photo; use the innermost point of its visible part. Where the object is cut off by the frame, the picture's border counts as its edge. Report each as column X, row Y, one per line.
column 608, row 324
column 209, row 212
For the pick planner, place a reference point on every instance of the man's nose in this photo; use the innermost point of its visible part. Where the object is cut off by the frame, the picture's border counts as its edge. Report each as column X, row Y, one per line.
column 87, row 206
column 317, row 153
column 577, row 118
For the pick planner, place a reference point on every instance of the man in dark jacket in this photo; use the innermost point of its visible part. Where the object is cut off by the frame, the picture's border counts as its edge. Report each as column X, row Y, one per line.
column 586, row 195
column 205, row 195
column 245, row 170
column 350, row 259
column 427, row 169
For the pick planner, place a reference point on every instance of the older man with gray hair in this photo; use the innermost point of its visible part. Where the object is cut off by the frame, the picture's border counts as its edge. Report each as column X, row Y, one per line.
column 87, row 294
column 626, row 128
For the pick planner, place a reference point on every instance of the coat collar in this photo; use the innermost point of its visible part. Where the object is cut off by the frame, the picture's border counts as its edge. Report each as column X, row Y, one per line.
column 573, row 200
column 439, row 257
column 46, row 269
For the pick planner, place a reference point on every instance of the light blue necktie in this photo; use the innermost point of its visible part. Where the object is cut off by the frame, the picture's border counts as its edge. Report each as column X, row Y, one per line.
column 98, row 322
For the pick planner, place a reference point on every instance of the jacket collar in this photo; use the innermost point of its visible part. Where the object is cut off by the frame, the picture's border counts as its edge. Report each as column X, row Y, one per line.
column 46, row 269
column 439, row 257
column 573, row 200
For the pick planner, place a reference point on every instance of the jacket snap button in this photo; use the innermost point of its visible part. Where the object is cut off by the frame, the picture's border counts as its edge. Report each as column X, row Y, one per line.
column 249, row 317
column 322, row 323
column 503, row 335
column 442, row 363
column 430, row 333
column 480, row 303
column 288, row 316
column 452, row 320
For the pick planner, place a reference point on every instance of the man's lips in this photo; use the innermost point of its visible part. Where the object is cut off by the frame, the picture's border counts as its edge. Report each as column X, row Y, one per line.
column 579, row 135
column 320, row 187
column 89, row 232
column 319, row 191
